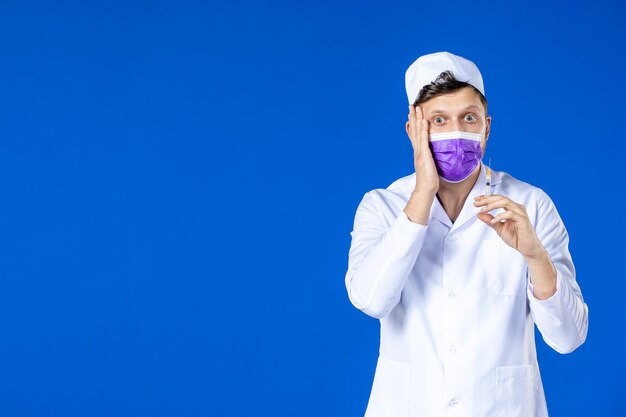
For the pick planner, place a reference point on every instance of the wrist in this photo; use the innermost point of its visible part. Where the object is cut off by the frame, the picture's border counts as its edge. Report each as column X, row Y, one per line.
column 543, row 275
column 418, row 207
column 424, row 192
column 537, row 257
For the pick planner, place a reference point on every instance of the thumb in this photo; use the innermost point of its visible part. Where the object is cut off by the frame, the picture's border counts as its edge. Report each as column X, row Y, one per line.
column 487, row 218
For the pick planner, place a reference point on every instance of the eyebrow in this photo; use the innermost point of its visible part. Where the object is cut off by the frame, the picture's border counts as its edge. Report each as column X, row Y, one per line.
column 470, row 107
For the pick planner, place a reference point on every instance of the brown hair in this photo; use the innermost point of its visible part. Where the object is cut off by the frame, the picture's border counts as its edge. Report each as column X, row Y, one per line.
column 444, row 84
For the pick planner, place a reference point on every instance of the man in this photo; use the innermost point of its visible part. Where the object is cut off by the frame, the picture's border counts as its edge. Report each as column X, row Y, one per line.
column 459, row 263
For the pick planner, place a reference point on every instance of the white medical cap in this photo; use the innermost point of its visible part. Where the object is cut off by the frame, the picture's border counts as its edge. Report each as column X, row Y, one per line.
column 427, row 68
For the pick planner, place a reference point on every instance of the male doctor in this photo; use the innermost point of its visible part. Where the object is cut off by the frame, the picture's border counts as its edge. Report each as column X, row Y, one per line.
column 459, row 270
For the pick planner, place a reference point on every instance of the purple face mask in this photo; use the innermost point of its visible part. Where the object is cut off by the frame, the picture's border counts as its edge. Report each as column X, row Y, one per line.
column 456, row 154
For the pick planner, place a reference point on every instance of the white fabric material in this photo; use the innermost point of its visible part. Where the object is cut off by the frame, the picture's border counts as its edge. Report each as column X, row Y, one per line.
column 456, row 306
column 427, row 68
column 457, row 134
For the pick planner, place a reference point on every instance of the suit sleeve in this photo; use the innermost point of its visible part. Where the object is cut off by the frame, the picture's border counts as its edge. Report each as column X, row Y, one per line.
column 563, row 318
column 382, row 255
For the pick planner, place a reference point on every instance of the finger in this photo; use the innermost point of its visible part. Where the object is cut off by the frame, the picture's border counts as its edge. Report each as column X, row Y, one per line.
column 487, row 203
column 419, row 113
column 509, row 205
column 504, row 216
column 486, row 198
column 483, row 199
column 499, row 202
column 422, row 128
column 423, row 136
column 491, row 202
column 487, row 219
column 412, row 125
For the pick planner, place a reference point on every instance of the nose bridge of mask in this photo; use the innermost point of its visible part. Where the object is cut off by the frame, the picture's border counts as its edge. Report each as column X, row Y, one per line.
column 436, row 137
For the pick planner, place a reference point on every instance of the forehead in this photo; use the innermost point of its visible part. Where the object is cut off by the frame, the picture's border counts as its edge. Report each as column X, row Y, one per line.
column 456, row 101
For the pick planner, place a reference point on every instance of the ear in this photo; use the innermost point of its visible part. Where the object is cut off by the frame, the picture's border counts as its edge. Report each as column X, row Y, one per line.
column 407, row 129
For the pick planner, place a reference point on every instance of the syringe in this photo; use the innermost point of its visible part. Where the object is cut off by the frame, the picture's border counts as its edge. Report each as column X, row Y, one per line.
column 488, row 181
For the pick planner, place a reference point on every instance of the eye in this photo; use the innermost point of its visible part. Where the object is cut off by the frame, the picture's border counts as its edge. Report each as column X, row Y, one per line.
column 470, row 118
column 438, row 120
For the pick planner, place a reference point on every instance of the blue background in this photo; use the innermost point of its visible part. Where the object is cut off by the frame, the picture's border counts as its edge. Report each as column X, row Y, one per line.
column 179, row 181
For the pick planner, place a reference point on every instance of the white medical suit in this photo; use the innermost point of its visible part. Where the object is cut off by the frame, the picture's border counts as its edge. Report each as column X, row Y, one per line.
column 456, row 306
